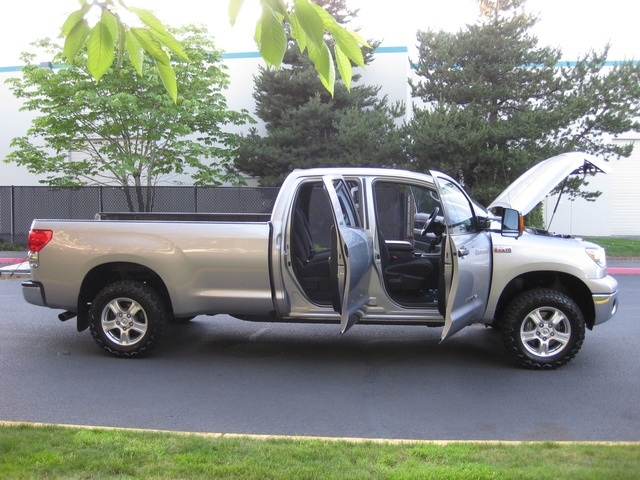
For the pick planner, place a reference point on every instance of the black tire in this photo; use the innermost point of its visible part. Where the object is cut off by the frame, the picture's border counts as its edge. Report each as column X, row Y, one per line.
column 127, row 318
column 543, row 329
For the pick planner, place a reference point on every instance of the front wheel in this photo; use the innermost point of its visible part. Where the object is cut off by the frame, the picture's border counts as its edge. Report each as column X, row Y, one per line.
column 127, row 318
column 543, row 329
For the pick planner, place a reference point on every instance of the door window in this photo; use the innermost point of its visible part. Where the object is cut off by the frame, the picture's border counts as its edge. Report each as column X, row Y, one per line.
column 403, row 209
column 460, row 217
column 349, row 212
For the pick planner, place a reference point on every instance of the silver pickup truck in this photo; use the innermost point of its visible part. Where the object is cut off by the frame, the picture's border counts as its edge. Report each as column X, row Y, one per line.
column 374, row 246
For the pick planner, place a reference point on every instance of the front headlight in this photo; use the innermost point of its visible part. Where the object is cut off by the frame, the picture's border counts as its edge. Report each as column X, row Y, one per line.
column 597, row 254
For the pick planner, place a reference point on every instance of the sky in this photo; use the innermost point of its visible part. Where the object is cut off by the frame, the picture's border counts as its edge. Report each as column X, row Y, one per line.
column 575, row 26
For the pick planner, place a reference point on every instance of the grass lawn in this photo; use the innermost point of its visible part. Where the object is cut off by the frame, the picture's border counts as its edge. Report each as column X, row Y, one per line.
column 64, row 452
column 618, row 247
column 11, row 247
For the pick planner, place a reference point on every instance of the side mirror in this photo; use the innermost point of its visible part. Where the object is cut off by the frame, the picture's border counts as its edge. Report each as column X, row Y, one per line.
column 512, row 223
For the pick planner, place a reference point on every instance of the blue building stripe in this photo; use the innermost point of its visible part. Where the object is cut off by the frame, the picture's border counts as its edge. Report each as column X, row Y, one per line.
column 379, row 50
column 236, row 55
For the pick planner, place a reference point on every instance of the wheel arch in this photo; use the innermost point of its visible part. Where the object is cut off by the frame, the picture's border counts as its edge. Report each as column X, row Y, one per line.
column 565, row 283
column 102, row 275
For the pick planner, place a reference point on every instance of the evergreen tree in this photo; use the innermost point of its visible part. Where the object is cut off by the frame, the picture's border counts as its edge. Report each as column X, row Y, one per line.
column 307, row 127
column 493, row 103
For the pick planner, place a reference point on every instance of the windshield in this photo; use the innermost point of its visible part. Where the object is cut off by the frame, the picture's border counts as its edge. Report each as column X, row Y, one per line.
column 480, row 210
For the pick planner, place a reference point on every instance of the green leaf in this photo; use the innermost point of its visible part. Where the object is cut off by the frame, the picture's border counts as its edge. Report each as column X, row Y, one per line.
column 149, row 19
column 344, row 66
column 168, row 77
column 328, row 21
column 323, row 62
column 73, row 19
column 349, row 46
column 360, row 39
column 271, row 37
column 234, row 9
column 160, row 32
column 297, row 33
column 309, row 21
column 122, row 41
column 348, row 41
column 277, row 6
column 76, row 39
column 100, row 50
column 136, row 52
column 173, row 44
column 110, row 20
column 150, row 44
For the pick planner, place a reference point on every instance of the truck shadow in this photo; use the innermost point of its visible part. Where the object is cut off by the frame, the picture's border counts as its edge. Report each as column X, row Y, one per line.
column 207, row 339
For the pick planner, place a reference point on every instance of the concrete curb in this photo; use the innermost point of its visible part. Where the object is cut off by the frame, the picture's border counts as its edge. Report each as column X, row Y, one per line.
column 623, row 270
column 390, row 441
column 11, row 260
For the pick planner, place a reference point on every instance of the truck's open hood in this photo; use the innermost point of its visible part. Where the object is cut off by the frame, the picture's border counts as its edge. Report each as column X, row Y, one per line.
column 535, row 184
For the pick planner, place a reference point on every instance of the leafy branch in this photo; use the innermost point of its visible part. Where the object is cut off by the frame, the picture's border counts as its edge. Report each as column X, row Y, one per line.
column 312, row 27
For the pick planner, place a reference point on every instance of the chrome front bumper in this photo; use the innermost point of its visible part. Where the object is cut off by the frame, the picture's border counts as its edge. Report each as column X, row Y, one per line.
column 606, row 307
column 605, row 304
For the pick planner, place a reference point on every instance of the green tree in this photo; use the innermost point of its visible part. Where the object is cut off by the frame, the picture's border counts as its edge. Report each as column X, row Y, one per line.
column 306, row 126
column 124, row 130
column 492, row 102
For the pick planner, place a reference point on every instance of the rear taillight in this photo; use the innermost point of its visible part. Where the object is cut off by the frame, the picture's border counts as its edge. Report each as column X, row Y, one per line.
column 38, row 239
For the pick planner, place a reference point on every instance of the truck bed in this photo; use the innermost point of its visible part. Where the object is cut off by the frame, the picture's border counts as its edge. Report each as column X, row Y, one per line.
column 185, row 217
column 207, row 267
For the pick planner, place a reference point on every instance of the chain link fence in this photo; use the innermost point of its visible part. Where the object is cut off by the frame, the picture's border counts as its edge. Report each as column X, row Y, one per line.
column 20, row 205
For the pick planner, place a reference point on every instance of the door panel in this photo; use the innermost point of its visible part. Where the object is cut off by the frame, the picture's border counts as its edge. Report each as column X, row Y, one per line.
column 470, row 281
column 351, row 257
column 467, row 260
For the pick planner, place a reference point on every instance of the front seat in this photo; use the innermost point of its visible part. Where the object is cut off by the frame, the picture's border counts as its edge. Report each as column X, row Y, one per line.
column 405, row 274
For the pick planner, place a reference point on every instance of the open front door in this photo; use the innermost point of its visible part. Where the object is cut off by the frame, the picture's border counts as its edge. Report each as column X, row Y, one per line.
column 351, row 258
column 467, row 260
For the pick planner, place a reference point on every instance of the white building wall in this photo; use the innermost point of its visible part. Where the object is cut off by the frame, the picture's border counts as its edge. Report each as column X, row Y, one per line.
column 13, row 123
column 625, row 192
column 615, row 212
column 576, row 216
column 390, row 69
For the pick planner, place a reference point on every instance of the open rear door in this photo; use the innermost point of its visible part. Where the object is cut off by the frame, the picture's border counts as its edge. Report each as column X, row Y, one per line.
column 351, row 257
column 467, row 260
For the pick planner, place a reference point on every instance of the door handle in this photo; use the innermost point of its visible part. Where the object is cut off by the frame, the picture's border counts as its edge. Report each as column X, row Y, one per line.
column 463, row 252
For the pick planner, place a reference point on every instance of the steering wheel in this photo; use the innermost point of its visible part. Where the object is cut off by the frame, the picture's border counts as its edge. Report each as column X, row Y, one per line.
column 428, row 223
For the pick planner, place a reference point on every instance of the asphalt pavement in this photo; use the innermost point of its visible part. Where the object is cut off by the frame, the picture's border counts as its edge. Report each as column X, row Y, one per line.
column 218, row 374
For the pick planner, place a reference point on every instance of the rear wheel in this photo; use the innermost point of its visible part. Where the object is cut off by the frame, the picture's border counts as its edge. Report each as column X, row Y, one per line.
column 127, row 318
column 543, row 329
